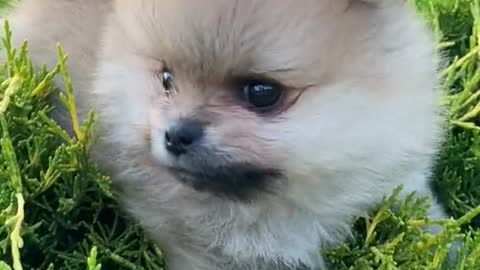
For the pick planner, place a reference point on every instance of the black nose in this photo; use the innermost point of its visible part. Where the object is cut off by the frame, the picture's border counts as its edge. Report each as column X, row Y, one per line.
column 184, row 134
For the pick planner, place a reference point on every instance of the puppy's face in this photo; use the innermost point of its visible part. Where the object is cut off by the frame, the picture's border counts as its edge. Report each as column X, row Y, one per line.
column 238, row 98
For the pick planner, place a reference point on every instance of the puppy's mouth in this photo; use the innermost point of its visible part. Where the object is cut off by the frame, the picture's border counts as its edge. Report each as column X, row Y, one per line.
column 241, row 181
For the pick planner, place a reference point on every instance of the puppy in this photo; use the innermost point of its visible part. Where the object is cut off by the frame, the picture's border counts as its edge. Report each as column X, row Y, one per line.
column 248, row 134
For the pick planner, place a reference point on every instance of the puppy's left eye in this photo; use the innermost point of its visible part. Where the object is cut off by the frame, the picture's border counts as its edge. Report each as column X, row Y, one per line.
column 262, row 95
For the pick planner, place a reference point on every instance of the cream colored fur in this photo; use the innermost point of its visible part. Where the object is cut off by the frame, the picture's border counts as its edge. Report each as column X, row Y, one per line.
column 368, row 118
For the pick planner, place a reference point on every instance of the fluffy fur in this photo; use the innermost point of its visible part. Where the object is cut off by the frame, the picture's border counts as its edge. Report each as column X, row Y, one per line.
column 363, row 115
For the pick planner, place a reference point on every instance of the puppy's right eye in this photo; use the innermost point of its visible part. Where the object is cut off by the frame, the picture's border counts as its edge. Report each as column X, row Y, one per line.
column 167, row 80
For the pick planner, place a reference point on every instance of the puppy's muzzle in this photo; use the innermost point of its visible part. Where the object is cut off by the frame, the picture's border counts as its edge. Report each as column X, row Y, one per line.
column 206, row 168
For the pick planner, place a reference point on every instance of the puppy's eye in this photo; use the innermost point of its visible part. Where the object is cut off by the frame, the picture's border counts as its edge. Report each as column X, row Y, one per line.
column 262, row 95
column 167, row 80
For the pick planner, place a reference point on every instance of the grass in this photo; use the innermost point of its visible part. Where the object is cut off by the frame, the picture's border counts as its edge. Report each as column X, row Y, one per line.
column 57, row 210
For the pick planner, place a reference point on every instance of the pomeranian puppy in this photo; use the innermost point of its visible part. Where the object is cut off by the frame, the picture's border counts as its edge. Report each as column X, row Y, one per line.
column 248, row 134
